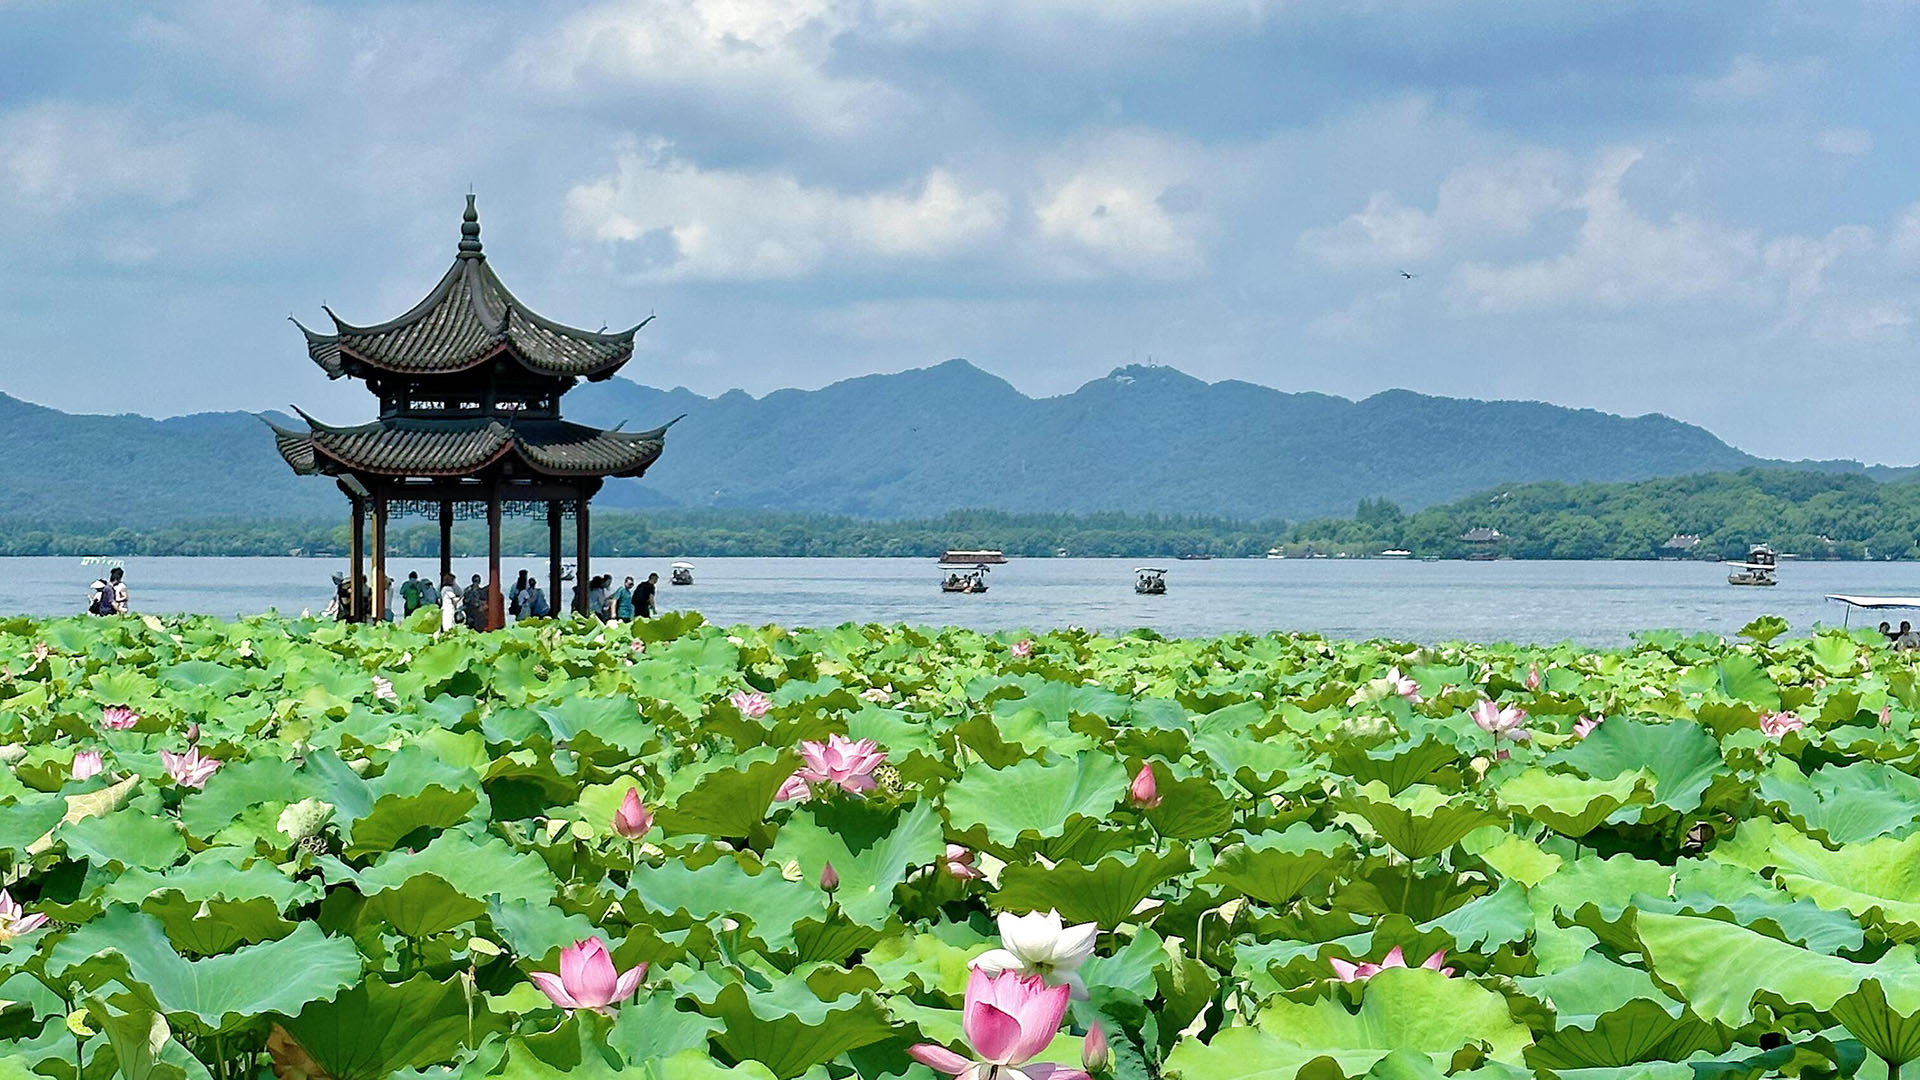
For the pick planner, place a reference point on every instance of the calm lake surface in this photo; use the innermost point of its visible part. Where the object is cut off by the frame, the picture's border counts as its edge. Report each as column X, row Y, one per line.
column 1596, row 603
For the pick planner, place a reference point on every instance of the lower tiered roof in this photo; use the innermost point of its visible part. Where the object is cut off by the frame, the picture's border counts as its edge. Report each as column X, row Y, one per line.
column 467, row 446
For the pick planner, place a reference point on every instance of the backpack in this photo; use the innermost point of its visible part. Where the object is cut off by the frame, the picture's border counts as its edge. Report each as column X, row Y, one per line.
column 513, row 603
column 100, row 598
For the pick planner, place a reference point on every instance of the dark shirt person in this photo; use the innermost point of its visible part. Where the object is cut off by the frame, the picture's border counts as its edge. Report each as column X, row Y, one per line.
column 473, row 603
column 643, row 597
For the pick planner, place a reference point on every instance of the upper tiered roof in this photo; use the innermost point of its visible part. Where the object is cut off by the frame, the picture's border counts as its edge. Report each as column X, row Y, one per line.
column 466, row 446
column 466, row 321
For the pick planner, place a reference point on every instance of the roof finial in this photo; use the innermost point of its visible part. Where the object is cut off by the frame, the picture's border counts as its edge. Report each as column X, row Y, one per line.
column 470, row 231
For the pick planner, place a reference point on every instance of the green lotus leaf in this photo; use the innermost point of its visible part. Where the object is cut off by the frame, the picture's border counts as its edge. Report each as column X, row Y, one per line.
column 789, row 1030
column 124, row 838
column 143, row 1044
column 1106, row 892
column 1401, row 1009
column 870, row 866
column 1572, row 805
column 1609, row 1015
column 1258, row 764
column 1275, row 868
column 1842, row 804
column 922, row 962
column 1681, row 755
column 729, row 798
column 238, row 786
column 396, row 815
column 537, row 931
column 218, row 992
column 216, row 680
column 1421, row 820
column 654, row 1028
column 766, row 902
column 1034, row 799
column 1875, row 880
column 1511, row 856
column 370, row 1030
column 448, row 883
column 1398, row 765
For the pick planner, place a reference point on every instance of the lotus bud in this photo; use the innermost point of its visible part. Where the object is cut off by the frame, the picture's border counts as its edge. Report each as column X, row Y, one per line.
column 193, row 733
column 829, row 879
column 632, row 820
column 1145, row 790
column 86, row 763
column 1095, row 1054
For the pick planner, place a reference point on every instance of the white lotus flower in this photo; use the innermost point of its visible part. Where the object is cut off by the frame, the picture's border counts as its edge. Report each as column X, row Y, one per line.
column 1043, row 945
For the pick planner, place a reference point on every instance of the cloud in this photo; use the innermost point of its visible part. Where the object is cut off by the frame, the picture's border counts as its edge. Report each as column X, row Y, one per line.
column 1751, row 77
column 58, row 156
column 1844, row 142
column 1474, row 203
column 677, row 221
column 1128, row 202
column 772, row 55
column 1619, row 257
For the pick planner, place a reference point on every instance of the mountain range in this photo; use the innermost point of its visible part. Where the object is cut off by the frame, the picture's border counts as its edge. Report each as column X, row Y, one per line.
column 921, row 442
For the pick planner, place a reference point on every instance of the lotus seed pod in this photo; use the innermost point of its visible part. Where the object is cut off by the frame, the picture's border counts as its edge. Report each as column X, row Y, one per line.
column 889, row 779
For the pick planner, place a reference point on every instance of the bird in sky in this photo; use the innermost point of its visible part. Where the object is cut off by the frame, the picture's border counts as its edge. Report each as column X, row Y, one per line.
column 1408, row 276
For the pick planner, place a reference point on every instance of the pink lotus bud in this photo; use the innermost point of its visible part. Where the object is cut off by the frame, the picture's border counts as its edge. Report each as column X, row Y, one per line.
column 632, row 820
column 1584, row 727
column 829, row 878
column 193, row 733
column 1023, row 648
column 1095, row 1054
column 1145, row 791
column 752, row 703
column 1533, row 677
column 118, row 718
column 1774, row 725
column 958, row 863
column 588, row 978
column 86, row 763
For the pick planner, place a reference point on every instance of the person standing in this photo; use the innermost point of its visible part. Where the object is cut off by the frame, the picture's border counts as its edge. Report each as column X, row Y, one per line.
column 100, row 597
column 536, row 604
column 597, row 596
column 623, row 601
column 449, row 603
column 514, row 609
column 474, row 603
column 413, row 593
column 117, row 579
column 645, row 595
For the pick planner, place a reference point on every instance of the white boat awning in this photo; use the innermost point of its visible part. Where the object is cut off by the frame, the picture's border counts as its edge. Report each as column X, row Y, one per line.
column 1877, row 601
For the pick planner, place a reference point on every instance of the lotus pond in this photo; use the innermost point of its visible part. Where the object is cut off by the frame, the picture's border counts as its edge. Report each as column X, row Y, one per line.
column 291, row 848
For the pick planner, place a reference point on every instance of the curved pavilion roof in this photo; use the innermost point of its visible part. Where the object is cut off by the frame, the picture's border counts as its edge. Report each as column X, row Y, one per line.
column 468, row 319
column 465, row 446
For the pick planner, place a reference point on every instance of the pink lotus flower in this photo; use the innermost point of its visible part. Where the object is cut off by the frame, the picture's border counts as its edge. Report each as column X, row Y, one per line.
column 1095, row 1054
column 1007, row 1020
column 383, row 689
column 1533, row 677
column 189, row 769
column 1403, row 686
column 839, row 760
column 1774, row 725
column 958, row 863
column 1509, row 723
column 588, row 979
column 1886, row 715
column 1349, row 972
column 14, row 921
column 1144, row 792
column 637, row 647
column 118, row 718
column 86, row 763
column 1023, row 648
column 1585, row 726
column 39, row 650
column 752, row 703
column 632, row 820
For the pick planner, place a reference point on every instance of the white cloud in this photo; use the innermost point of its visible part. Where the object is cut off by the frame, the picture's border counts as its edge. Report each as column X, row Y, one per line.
column 771, row 53
column 1474, row 203
column 1369, row 318
column 1619, row 257
column 1844, row 142
column 57, row 157
column 1751, row 77
column 678, row 221
column 1128, row 202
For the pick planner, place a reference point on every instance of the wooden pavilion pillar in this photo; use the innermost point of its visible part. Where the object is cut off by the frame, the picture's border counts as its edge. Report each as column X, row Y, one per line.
column 496, row 601
column 446, row 545
column 356, row 577
column 554, row 595
column 583, row 570
column 379, row 609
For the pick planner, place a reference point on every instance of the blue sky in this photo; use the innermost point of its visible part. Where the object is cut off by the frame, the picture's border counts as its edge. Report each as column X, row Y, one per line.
column 1706, row 210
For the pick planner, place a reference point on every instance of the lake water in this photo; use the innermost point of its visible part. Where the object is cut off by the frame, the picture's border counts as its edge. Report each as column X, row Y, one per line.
column 1597, row 603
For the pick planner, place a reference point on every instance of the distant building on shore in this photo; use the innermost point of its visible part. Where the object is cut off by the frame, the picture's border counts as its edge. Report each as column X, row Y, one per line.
column 1679, row 546
column 1482, row 543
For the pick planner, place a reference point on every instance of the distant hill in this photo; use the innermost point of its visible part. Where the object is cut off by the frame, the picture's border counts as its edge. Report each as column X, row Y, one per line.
column 920, row 443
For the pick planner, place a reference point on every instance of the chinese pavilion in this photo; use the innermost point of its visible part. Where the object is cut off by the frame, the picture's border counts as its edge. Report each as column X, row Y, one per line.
column 469, row 383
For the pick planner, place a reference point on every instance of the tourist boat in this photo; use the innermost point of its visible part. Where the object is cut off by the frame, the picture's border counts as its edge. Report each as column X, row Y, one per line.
column 982, row 557
column 1195, row 556
column 1873, row 603
column 682, row 573
column 1150, row 580
column 969, row 578
column 1757, row 570
column 1276, row 553
column 1396, row 553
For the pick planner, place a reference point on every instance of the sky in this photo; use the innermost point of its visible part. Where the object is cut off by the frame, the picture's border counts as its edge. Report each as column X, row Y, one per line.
column 1710, row 211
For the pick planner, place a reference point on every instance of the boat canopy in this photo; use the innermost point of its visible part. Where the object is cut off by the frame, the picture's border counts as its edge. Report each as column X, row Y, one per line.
column 968, row 567
column 1876, row 601
column 683, row 566
column 1149, row 570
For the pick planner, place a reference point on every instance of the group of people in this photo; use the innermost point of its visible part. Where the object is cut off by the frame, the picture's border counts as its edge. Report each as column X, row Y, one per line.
column 629, row 601
column 108, row 595
column 1904, row 638
column 525, row 599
